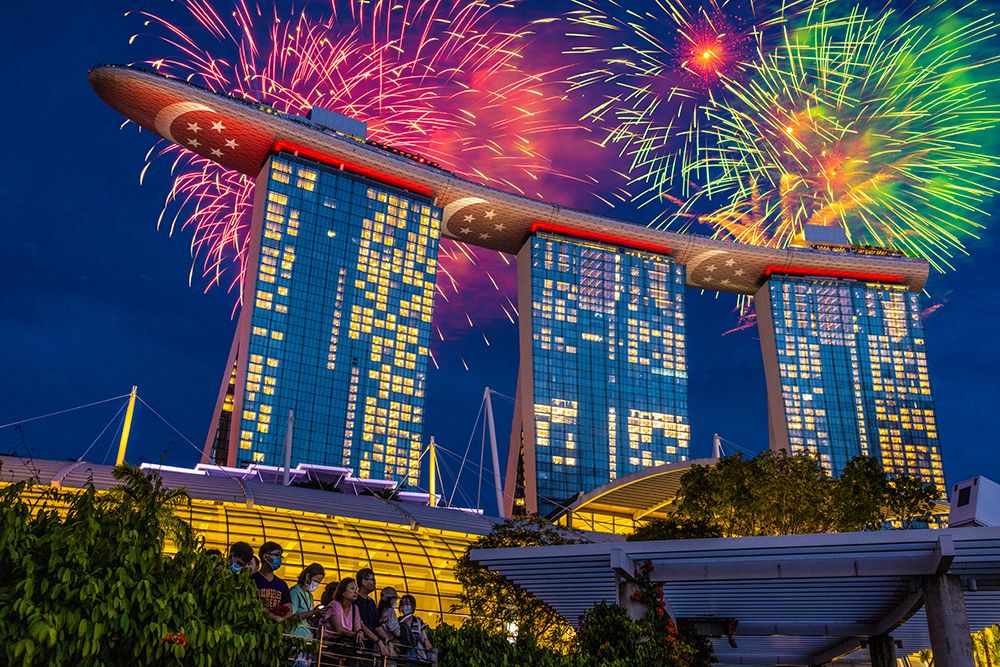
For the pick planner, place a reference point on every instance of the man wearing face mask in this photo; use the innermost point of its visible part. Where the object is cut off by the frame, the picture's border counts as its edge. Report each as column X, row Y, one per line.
column 240, row 556
column 412, row 624
column 272, row 589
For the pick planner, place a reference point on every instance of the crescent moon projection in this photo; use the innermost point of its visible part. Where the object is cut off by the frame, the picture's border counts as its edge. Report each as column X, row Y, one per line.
column 456, row 206
column 702, row 257
column 168, row 114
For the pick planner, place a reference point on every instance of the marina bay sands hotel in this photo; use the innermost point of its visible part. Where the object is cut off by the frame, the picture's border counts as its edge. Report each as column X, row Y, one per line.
column 339, row 292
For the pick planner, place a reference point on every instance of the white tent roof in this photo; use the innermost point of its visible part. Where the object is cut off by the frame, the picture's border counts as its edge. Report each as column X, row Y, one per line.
column 798, row 600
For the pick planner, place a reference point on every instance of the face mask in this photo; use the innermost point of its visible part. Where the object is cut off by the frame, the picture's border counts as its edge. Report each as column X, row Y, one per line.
column 312, row 586
column 275, row 562
column 406, row 609
column 236, row 567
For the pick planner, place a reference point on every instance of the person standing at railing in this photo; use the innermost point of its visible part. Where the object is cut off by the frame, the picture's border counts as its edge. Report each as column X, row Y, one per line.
column 366, row 606
column 415, row 627
column 303, row 605
column 342, row 618
column 388, row 622
column 272, row 589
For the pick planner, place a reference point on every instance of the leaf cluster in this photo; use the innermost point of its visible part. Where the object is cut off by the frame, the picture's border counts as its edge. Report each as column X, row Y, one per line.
column 777, row 493
column 473, row 646
column 607, row 638
column 495, row 605
column 87, row 582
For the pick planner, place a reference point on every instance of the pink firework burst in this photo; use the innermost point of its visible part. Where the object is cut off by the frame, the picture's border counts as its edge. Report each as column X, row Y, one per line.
column 712, row 45
column 446, row 80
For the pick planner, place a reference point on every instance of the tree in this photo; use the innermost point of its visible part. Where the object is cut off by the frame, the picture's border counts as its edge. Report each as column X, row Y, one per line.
column 498, row 607
column 469, row 646
column 674, row 528
column 87, row 582
column 777, row 493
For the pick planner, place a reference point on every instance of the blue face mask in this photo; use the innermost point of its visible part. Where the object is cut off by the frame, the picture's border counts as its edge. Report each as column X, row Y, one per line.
column 275, row 562
column 236, row 567
column 406, row 609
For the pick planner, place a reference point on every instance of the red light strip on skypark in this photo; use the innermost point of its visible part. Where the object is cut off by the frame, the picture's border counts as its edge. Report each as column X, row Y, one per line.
column 317, row 156
column 611, row 239
column 833, row 273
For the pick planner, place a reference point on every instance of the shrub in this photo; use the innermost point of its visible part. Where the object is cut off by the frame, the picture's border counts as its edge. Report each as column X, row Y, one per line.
column 90, row 583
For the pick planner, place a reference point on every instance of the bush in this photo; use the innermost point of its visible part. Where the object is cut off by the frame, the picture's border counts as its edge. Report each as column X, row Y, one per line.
column 495, row 604
column 472, row 646
column 609, row 637
column 89, row 583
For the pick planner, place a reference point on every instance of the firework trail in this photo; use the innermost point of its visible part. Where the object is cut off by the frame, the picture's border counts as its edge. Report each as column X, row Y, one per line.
column 657, row 68
column 444, row 80
column 864, row 120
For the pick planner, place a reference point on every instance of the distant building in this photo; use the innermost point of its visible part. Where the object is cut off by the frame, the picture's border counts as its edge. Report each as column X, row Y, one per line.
column 335, row 325
column 846, row 369
column 602, row 387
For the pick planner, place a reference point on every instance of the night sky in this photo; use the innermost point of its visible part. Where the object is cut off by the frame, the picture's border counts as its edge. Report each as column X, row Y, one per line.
column 93, row 298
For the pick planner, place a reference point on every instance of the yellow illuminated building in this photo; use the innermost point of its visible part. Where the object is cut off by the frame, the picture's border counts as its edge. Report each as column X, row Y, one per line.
column 410, row 546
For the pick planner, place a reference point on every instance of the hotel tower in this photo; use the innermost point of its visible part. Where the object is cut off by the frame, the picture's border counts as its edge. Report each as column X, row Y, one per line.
column 335, row 324
column 602, row 383
column 846, row 369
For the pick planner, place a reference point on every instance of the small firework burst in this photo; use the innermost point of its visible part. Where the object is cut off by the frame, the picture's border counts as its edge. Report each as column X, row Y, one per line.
column 712, row 46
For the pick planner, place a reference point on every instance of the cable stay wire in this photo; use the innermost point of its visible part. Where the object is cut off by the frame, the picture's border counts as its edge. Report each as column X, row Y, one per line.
column 502, row 395
column 103, row 431
column 111, row 442
column 62, row 412
column 450, row 502
column 488, row 481
column 460, row 492
column 172, row 427
column 468, row 445
column 482, row 456
column 737, row 445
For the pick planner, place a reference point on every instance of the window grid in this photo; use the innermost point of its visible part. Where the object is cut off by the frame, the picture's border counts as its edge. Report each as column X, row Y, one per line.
column 853, row 367
column 609, row 365
column 340, row 329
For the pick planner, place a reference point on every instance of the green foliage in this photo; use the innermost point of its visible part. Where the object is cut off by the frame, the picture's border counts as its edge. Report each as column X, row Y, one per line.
column 673, row 528
column 86, row 582
column 609, row 637
column 472, row 646
column 495, row 605
column 776, row 493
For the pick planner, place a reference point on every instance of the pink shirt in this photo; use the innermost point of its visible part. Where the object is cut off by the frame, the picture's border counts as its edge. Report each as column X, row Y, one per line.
column 337, row 609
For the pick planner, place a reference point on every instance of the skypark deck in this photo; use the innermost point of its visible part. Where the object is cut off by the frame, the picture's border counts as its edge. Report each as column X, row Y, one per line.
column 241, row 136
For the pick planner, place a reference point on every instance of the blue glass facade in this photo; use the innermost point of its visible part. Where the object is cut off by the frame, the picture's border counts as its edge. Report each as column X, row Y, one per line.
column 846, row 368
column 336, row 324
column 604, row 388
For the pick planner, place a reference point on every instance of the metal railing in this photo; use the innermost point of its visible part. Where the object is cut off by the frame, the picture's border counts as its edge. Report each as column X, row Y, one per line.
column 327, row 650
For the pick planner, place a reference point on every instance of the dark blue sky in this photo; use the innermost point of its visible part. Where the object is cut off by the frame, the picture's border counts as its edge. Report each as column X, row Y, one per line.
column 93, row 298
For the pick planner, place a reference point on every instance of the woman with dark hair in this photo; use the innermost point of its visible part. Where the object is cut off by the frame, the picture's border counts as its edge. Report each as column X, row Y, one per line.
column 342, row 619
column 388, row 623
column 303, row 605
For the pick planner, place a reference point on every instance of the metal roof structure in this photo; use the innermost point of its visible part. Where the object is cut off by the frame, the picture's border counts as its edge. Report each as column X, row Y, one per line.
column 797, row 600
column 347, row 499
column 472, row 213
column 620, row 505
